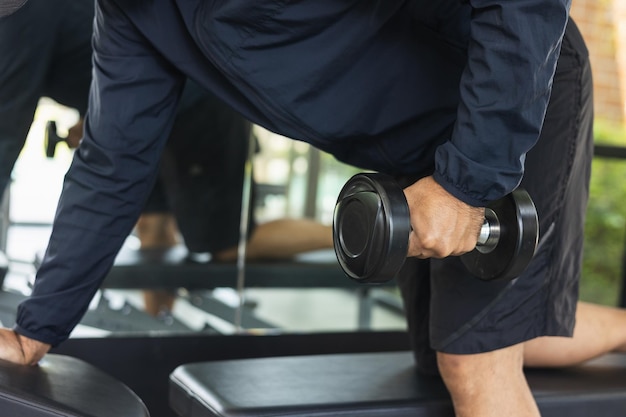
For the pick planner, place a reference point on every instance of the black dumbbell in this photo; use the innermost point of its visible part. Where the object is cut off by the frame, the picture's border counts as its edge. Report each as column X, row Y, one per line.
column 371, row 228
column 51, row 138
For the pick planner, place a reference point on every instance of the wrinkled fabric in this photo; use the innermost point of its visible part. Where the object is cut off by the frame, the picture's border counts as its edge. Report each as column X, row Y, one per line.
column 8, row 7
column 454, row 89
column 448, row 310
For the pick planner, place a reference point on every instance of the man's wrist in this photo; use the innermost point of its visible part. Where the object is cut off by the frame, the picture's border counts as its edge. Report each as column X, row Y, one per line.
column 32, row 350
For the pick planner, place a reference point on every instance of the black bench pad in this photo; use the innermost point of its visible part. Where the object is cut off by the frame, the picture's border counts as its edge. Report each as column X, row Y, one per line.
column 64, row 386
column 374, row 384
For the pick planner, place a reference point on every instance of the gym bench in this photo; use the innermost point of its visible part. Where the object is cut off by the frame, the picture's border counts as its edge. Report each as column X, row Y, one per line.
column 170, row 269
column 64, row 386
column 374, row 385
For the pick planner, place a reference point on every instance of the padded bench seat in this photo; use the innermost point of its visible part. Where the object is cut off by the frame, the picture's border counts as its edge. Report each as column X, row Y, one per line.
column 64, row 386
column 374, row 384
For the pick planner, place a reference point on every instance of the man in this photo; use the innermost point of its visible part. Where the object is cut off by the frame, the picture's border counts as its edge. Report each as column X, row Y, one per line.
column 450, row 96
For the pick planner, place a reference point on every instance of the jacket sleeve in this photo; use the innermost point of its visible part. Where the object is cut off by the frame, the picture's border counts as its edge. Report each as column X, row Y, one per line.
column 131, row 108
column 512, row 55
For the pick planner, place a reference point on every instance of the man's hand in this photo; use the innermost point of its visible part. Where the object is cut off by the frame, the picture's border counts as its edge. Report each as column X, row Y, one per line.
column 20, row 349
column 442, row 224
column 75, row 134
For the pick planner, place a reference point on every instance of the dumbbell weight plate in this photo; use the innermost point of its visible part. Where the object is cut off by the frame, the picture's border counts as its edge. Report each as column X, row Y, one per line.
column 519, row 231
column 51, row 138
column 371, row 228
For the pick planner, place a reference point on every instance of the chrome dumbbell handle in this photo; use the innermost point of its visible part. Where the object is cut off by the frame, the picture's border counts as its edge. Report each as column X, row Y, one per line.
column 489, row 232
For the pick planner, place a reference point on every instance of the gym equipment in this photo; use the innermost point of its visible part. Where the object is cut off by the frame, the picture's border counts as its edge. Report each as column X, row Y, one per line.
column 373, row 384
column 145, row 363
column 51, row 138
column 171, row 269
column 371, row 228
column 64, row 386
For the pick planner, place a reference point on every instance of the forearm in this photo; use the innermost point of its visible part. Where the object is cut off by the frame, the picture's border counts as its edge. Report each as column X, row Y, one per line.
column 130, row 114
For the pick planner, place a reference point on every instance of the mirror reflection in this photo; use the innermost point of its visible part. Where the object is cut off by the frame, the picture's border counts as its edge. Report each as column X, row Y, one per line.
column 182, row 269
column 193, row 261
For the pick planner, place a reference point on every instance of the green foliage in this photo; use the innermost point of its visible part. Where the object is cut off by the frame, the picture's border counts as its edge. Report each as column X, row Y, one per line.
column 605, row 233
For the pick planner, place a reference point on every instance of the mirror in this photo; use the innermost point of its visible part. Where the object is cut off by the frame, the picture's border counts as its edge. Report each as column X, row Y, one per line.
column 302, row 292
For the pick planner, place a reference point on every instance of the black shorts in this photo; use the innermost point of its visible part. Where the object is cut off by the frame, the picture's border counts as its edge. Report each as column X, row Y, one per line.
column 455, row 313
column 202, row 173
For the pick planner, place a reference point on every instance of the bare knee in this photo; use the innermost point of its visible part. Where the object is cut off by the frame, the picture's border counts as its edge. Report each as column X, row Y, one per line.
column 156, row 230
column 465, row 369
column 486, row 384
column 461, row 373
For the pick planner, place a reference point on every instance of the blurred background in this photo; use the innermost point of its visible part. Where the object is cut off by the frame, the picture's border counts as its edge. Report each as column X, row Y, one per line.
column 603, row 24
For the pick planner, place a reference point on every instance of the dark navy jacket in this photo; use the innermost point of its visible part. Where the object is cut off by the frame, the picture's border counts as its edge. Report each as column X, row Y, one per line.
column 457, row 89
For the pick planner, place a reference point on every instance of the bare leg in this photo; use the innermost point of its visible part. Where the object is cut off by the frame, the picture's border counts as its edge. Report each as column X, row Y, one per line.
column 490, row 384
column 282, row 239
column 599, row 329
column 157, row 230
column 158, row 301
column 278, row 239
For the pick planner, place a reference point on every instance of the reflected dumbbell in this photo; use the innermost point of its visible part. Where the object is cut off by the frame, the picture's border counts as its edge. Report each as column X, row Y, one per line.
column 51, row 139
column 371, row 228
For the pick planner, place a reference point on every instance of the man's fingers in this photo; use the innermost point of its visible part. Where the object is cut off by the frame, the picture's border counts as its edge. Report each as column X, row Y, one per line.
column 429, row 247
